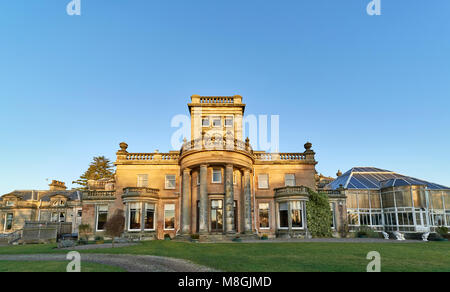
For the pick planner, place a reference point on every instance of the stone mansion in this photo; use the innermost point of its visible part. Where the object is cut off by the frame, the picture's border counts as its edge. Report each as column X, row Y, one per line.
column 216, row 185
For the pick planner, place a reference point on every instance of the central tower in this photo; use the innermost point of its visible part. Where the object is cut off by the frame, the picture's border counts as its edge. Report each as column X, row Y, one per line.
column 216, row 116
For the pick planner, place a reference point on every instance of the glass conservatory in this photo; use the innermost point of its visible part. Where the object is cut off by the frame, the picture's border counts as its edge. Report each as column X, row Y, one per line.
column 387, row 201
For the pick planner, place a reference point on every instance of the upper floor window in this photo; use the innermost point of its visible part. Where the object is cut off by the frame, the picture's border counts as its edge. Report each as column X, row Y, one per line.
column 9, row 203
column 217, row 175
column 217, row 122
column 289, row 180
column 142, row 180
column 263, row 181
column 229, row 122
column 170, row 182
column 205, row 122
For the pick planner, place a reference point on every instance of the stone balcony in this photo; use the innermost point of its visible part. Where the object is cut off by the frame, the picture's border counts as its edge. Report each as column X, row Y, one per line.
column 94, row 195
column 292, row 191
column 140, row 192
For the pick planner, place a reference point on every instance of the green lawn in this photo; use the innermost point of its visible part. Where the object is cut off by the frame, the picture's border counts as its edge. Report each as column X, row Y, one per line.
column 52, row 266
column 289, row 257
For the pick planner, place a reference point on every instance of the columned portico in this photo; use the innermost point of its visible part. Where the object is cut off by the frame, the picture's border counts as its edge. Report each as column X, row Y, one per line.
column 203, row 216
column 186, row 202
column 229, row 199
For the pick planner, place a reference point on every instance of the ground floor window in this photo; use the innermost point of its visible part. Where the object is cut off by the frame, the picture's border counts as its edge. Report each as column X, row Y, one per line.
column 134, row 222
column 149, row 216
column 264, row 215
column 216, row 215
column 9, row 221
column 283, row 214
column 169, row 216
column 333, row 214
column 296, row 214
column 102, row 217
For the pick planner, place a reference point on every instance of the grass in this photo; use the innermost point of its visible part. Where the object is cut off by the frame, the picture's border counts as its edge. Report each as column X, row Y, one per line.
column 52, row 266
column 284, row 257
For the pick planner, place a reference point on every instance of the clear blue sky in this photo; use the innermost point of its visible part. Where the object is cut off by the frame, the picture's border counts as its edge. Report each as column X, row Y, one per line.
column 365, row 90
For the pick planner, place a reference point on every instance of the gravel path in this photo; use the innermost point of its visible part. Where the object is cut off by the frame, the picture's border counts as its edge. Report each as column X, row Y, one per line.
column 341, row 240
column 131, row 263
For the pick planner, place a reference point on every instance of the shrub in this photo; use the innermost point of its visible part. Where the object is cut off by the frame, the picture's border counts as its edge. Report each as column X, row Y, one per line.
column 318, row 215
column 366, row 231
column 195, row 236
column 442, row 232
column 98, row 238
column 84, row 230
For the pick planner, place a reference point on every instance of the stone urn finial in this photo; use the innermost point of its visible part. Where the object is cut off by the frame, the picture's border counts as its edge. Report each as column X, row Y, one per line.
column 123, row 146
column 308, row 146
column 184, row 140
column 339, row 173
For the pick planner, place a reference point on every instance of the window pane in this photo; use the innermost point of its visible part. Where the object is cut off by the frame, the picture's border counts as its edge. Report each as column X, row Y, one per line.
column 170, row 182
column 264, row 215
column 229, row 122
column 284, row 215
column 135, row 216
column 9, row 221
column 263, row 181
column 102, row 217
column 205, row 122
column 296, row 214
column 142, row 181
column 169, row 216
column 217, row 122
column 289, row 180
column 149, row 216
column 217, row 175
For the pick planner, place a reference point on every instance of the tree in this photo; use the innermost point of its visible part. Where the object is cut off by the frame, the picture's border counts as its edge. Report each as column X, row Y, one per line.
column 319, row 216
column 115, row 225
column 101, row 167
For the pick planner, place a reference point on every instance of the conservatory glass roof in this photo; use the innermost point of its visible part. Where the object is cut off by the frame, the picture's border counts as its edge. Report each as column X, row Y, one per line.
column 372, row 178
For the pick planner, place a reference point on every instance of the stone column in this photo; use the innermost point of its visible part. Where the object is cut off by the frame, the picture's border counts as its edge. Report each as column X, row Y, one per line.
column 186, row 202
column 229, row 199
column 247, row 202
column 203, row 216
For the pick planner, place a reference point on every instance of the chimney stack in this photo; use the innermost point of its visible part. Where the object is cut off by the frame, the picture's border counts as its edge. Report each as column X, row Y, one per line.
column 57, row 186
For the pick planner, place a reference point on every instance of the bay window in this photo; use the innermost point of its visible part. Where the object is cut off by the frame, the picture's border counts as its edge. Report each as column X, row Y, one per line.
column 284, row 216
column 296, row 214
column 9, row 221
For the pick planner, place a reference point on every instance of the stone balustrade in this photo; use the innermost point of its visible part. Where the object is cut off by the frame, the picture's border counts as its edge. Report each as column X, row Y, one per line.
column 152, row 156
column 216, row 144
column 217, row 99
column 263, row 156
column 99, row 195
